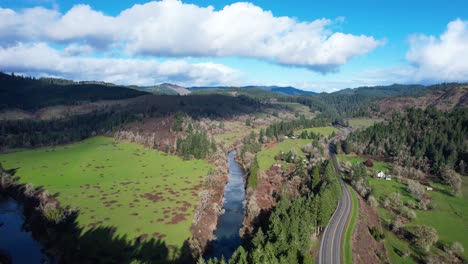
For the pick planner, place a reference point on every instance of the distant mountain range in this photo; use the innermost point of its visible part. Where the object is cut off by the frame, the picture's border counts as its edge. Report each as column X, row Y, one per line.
column 30, row 93
column 287, row 90
column 172, row 89
column 395, row 90
column 372, row 91
column 167, row 89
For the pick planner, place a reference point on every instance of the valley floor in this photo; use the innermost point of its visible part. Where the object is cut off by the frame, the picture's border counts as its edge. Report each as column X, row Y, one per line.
column 139, row 192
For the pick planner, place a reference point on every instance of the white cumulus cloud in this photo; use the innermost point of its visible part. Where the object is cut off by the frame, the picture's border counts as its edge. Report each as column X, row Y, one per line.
column 443, row 58
column 171, row 28
column 39, row 59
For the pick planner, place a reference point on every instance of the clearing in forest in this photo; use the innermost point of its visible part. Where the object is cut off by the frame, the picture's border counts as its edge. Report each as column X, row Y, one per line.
column 266, row 157
column 363, row 122
column 324, row 131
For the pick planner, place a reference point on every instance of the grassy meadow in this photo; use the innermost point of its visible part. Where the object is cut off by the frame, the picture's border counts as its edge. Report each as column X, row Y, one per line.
column 139, row 191
column 449, row 216
column 324, row 131
column 378, row 165
column 363, row 122
column 266, row 157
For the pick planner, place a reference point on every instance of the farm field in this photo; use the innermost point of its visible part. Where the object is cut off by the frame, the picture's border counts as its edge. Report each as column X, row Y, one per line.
column 301, row 109
column 378, row 165
column 449, row 218
column 237, row 130
column 141, row 192
column 358, row 123
column 266, row 157
column 324, row 131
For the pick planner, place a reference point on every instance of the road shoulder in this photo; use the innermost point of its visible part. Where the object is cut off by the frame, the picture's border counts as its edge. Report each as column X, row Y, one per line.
column 350, row 227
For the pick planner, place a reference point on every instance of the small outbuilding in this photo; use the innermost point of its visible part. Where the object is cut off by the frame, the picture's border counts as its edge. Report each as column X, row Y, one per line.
column 380, row 175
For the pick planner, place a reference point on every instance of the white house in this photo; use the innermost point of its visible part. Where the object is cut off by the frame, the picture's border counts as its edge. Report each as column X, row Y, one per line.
column 388, row 178
column 380, row 175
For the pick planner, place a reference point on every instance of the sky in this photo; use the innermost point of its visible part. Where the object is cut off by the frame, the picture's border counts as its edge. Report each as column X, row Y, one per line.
column 312, row 45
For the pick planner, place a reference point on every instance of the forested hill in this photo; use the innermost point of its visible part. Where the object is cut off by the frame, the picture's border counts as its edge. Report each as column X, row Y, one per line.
column 31, row 94
column 288, row 90
column 396, row 90
column 167, row 89
column 424, row 139
column 446, row 100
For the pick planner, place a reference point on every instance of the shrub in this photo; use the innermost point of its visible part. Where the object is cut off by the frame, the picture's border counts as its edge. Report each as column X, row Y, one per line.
column 453, row 179
column 425, row 237
column 29, row 190
column 411, row 204
column 377, row 234
column 415, row 189
column 405, row 253
column 372, row 201
column 407, row 213
column 52, row 214
column 457, row 249
column 393, row 201
column 397, row 224
column 424, row 204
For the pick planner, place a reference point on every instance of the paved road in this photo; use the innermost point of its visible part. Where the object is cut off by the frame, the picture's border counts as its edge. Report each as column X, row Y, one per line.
column 332, row 240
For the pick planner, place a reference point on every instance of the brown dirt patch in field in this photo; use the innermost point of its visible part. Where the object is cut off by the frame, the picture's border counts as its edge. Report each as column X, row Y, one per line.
column 177, row 219
column 365, row 248
column 270, row 145
column 109, row 203
column 154, row 197
column 158, row 235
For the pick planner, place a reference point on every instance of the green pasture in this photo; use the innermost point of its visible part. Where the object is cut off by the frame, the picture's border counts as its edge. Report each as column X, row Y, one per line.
column 449, row 216
column 266, row 157
column 138, row 191
column 363, row 122
column 324, row 131
column 378, row 165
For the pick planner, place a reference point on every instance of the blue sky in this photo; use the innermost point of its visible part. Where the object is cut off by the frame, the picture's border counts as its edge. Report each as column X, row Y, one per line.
column 313, row 45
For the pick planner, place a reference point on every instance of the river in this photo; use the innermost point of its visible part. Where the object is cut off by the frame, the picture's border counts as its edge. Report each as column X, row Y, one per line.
column 19, row 245
column 229, row 223
column 15, row 242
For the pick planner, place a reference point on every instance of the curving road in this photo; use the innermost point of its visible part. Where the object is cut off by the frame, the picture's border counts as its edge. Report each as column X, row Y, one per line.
column 332, row 240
